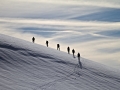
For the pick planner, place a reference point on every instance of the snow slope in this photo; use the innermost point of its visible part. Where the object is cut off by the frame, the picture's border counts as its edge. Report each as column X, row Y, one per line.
column 28, row 66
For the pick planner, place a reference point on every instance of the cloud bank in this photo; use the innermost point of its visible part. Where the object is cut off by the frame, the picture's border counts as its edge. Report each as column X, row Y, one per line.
column 91, row 27
column 98, row 3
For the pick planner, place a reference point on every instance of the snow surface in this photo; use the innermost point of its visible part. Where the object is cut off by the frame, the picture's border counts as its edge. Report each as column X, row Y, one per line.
column 28, row 66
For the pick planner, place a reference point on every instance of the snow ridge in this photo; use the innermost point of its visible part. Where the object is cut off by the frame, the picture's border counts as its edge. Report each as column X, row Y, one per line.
column 28, row 66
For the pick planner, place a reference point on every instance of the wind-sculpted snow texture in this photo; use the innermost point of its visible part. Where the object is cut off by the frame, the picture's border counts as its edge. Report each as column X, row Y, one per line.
column 28, row 66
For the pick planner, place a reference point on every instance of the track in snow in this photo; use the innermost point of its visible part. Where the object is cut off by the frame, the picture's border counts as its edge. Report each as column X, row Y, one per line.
column 62, row 79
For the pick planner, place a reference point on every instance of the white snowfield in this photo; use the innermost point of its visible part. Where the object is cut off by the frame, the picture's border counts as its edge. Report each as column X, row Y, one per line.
column 28, row 66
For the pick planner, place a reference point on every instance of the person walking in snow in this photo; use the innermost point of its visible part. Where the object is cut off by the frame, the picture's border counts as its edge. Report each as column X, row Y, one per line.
column 33, row 39
column 47, row 43
column 78, row 55
column 79, row 62
column 58, row 47
column 68, row 49
column 73, row 51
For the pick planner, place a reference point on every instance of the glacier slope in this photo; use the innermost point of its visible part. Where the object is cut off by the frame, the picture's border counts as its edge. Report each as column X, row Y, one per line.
column 28, row 66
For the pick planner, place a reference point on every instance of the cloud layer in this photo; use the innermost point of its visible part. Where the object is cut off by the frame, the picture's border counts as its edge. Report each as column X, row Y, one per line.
column 91, row 28
column 98, row 3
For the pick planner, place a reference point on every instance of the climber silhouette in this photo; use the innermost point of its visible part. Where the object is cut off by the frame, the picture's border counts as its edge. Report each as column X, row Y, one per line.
column 68, row 49
column 47, row 43
column 33, row 39
column 79, row 62
column 78, row 55
column 58, row 47
column 73, row 51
